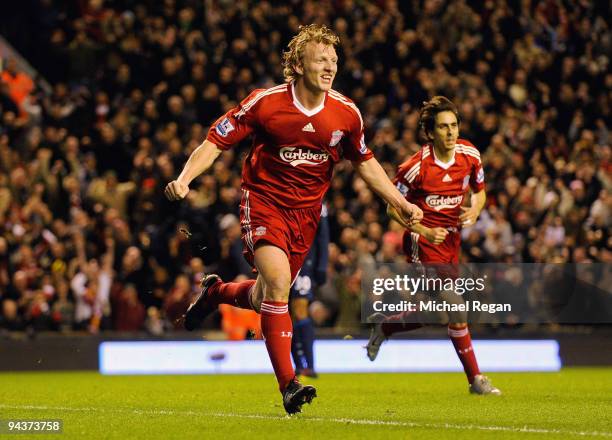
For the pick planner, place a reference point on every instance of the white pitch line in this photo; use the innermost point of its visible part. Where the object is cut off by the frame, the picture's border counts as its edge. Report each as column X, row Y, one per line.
column 162, row 412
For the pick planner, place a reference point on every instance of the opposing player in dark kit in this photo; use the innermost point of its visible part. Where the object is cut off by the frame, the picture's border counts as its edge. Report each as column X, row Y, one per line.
column 312, row 274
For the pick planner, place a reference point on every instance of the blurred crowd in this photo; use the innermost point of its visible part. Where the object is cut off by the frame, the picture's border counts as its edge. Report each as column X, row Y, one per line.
column 87, row 240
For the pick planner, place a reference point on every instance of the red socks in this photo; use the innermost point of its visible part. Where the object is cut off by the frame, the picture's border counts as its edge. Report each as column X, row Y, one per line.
column 276, row 325
column 395, row 324
column 277, row 331
column 234, row 294
column 460, row 335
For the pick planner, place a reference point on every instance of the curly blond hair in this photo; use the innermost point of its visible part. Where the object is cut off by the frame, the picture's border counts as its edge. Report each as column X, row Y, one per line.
column 293, row 56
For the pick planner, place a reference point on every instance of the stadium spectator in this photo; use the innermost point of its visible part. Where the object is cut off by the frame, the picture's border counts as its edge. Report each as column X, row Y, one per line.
column 232, row 263
column 91, row 286
column 20, row 85
column 530, row 80
column 63, row 309
column 128, row 312
column 177, row 300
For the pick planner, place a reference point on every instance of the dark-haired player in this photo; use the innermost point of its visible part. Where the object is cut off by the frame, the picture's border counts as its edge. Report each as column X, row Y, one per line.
column 437, row 178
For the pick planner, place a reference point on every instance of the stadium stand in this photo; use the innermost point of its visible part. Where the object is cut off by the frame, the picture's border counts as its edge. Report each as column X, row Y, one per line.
column 87, row 240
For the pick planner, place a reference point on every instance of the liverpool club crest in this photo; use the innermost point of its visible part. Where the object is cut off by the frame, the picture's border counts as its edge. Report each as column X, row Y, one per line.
column 336, row 137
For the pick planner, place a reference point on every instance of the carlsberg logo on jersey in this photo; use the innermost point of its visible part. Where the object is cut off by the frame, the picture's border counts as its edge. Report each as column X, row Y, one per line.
column 443, row 202
column 298, row 156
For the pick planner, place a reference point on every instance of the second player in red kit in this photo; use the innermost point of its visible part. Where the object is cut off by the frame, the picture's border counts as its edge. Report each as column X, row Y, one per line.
column 437, row 179
column 439, row 189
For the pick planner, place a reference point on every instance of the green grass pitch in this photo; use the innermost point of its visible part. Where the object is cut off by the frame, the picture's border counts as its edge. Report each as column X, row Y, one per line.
column 574, row 403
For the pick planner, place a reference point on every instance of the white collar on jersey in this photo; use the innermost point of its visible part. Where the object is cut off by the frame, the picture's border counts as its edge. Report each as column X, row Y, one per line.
column 303, row 109
column 444, row 165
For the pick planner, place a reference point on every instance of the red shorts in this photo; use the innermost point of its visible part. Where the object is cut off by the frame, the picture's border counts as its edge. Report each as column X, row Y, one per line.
column 419, row 250
column 292, row 230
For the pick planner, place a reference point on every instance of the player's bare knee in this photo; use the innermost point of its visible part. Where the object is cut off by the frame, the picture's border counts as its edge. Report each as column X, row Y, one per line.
column 277, row 288
column 277, row 296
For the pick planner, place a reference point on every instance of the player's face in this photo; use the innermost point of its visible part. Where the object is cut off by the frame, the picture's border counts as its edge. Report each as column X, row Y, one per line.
column 319, row 66
column 446, row 130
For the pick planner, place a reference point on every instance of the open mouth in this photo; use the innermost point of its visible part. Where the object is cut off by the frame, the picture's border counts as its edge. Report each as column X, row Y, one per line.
column 326, row 78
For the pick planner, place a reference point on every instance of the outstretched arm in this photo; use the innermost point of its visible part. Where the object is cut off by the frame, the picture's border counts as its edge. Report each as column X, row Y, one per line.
column 392, row 213
column 200, row 160
column 375, row 176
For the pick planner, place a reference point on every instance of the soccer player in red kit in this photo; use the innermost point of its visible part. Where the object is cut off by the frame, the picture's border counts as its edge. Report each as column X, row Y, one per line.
column 437, row 178
column 300, row 130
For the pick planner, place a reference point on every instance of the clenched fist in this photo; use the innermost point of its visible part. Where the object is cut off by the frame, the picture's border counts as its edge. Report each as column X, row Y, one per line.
column 411, row 214
column 469, row 216
column 175, row 190
column 435, row 235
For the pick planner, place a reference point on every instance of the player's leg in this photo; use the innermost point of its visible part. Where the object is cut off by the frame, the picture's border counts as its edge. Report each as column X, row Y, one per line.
column 303, row 337
column 459, row 333
column 300, row 296
column 416, row 251
column 255, row 214
column 235, row 294
column 309, row 255
column 383, row 327
column 273, row 266
column 257, row 294
column 215, row 292
column 313, row 271
column 296, row 308
column 460, row 336
column 400, row 322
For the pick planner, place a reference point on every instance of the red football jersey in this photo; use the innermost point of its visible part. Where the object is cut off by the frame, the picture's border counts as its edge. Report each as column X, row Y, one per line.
column 439, row 188
column 294, row 149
